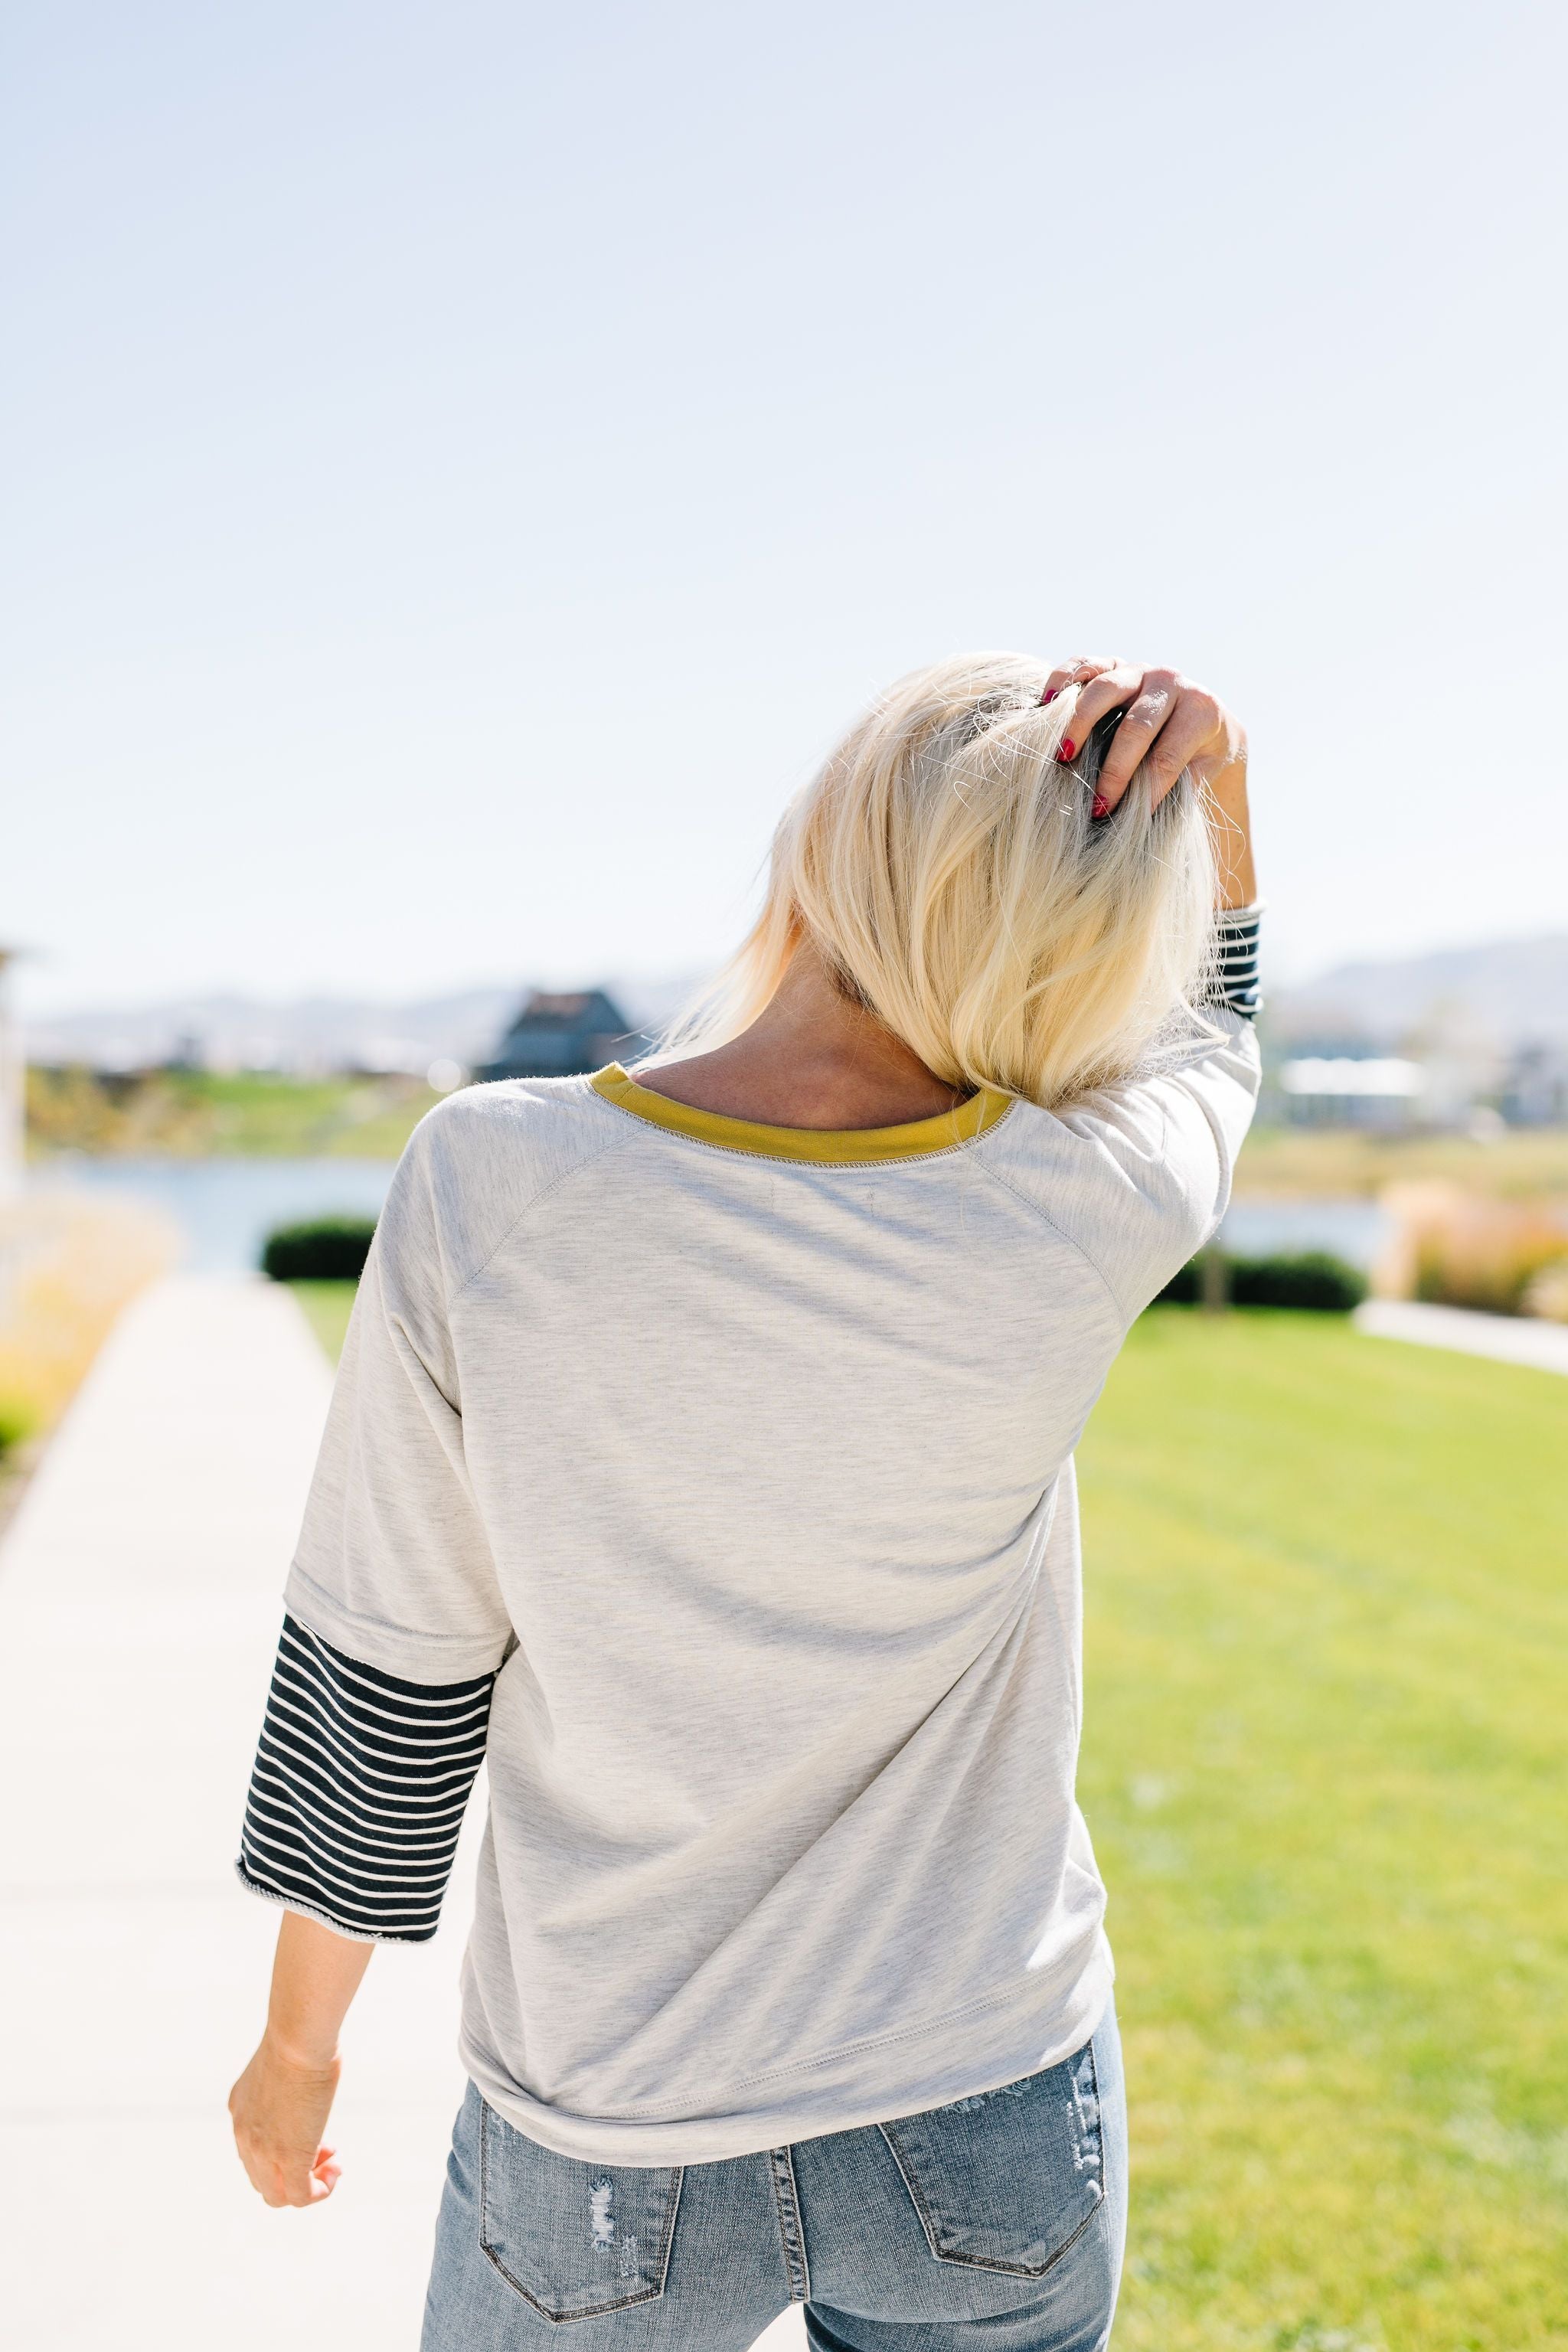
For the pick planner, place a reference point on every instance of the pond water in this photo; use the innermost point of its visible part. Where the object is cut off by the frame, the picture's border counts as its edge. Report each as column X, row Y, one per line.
column 224, row 1209
column 1356, row 1230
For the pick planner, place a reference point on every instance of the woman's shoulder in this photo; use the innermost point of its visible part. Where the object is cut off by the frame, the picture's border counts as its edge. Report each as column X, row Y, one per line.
column 481, row 1158
column 516, row 1107
column 1138, row 1172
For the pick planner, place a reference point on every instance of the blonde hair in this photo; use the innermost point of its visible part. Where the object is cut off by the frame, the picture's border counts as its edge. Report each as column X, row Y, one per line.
column 949, row 871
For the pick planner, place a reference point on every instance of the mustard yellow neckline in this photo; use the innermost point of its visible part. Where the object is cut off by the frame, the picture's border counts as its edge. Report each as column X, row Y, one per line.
column 841, row 1146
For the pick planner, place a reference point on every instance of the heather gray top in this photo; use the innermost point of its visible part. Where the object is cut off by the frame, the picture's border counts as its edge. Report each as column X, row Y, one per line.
column 745, row 1456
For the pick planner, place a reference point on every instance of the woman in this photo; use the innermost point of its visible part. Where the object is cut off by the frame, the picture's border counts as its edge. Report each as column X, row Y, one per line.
column 702, row 1456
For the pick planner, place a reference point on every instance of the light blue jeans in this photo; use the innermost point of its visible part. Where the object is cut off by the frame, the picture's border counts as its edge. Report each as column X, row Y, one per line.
column 992, row 2225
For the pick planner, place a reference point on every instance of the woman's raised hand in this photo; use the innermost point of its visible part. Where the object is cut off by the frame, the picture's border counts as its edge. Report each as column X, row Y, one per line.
column 1171, row 723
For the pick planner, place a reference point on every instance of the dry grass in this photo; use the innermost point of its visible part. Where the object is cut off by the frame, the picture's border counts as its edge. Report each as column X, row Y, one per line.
column 1520, row 1164
column 67, row 1268
column 1466, row 1249
column 196, row 1114
column 1547, row 1295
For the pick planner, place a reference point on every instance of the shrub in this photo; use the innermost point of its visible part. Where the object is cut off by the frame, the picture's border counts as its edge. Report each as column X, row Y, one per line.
column 1308, row 1280
column 321, row 1249
column 1184, row 1288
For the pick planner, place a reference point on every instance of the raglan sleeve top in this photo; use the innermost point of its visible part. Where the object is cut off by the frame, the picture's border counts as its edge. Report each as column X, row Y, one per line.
column 395, row 1625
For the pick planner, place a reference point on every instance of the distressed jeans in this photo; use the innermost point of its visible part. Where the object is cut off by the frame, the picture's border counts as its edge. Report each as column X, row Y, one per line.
column 996, row 2222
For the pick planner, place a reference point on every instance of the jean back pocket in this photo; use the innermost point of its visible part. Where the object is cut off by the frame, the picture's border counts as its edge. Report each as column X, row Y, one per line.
column 575, row 2240
column 1005, row 2181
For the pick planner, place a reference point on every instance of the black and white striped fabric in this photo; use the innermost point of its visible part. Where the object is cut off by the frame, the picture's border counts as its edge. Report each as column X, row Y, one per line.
column 358, row 1791
column 1235, row 979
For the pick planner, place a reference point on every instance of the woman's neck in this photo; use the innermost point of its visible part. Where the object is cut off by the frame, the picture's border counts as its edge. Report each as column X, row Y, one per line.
column 812, row 1058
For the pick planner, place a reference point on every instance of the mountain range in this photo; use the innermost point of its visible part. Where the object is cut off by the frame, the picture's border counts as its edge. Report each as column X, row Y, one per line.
column 1509, row 992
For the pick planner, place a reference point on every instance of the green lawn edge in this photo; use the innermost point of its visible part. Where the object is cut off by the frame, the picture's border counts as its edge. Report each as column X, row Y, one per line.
column 326, row 1307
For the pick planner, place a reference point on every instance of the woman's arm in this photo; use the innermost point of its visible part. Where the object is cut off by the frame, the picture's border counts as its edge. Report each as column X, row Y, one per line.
column 281, row 2102
column 357, row 1799
column 1232, row 824
column 1171, row 723
column 377, row 1716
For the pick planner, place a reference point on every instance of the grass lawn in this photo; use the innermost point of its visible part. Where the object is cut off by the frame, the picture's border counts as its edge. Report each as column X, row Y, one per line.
column 327, row 1306
column 1324, row 1766
column 192, row 1114
column 1326, row 1769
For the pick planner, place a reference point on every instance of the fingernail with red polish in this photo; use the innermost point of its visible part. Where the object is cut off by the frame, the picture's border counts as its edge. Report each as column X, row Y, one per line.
column 1050, row 695
column 1100, row 806
column 1069, row 748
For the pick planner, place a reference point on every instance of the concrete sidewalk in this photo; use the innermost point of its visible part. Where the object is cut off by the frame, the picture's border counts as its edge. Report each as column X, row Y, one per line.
column 1509, row 1339
column 139, row 1605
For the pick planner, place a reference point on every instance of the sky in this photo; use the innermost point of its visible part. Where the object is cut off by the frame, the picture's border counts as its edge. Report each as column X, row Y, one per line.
column 465, row 464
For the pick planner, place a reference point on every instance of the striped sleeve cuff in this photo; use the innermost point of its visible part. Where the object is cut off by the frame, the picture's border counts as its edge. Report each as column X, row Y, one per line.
column 1233, row 981
column 359, row 1789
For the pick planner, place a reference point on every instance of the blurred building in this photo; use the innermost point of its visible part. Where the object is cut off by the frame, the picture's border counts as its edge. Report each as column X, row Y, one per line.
column 1343, row 1082
column 1535, row 1089
column 557, row 1035
column 1352, row 1090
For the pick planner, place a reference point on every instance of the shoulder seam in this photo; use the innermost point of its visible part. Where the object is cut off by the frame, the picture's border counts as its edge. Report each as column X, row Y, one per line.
column 611, row 1143
column 1049, row 1222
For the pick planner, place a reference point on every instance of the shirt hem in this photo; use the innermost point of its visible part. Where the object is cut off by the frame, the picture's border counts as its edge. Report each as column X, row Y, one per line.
column 323, row 1917
column 434, row 1659
column 970, row 2050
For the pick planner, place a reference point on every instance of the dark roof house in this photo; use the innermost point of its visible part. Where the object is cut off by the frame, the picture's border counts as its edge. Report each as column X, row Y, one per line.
column 556, row 1036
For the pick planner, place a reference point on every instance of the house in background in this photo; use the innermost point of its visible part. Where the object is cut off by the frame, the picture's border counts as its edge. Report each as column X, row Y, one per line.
column 558, row 1035
column 1351, row 1089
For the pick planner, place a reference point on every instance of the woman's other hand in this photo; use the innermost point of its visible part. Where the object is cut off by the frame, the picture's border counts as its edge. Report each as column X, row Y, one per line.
column 1172, row 723
column 281, row 2102
column 279, row 2107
